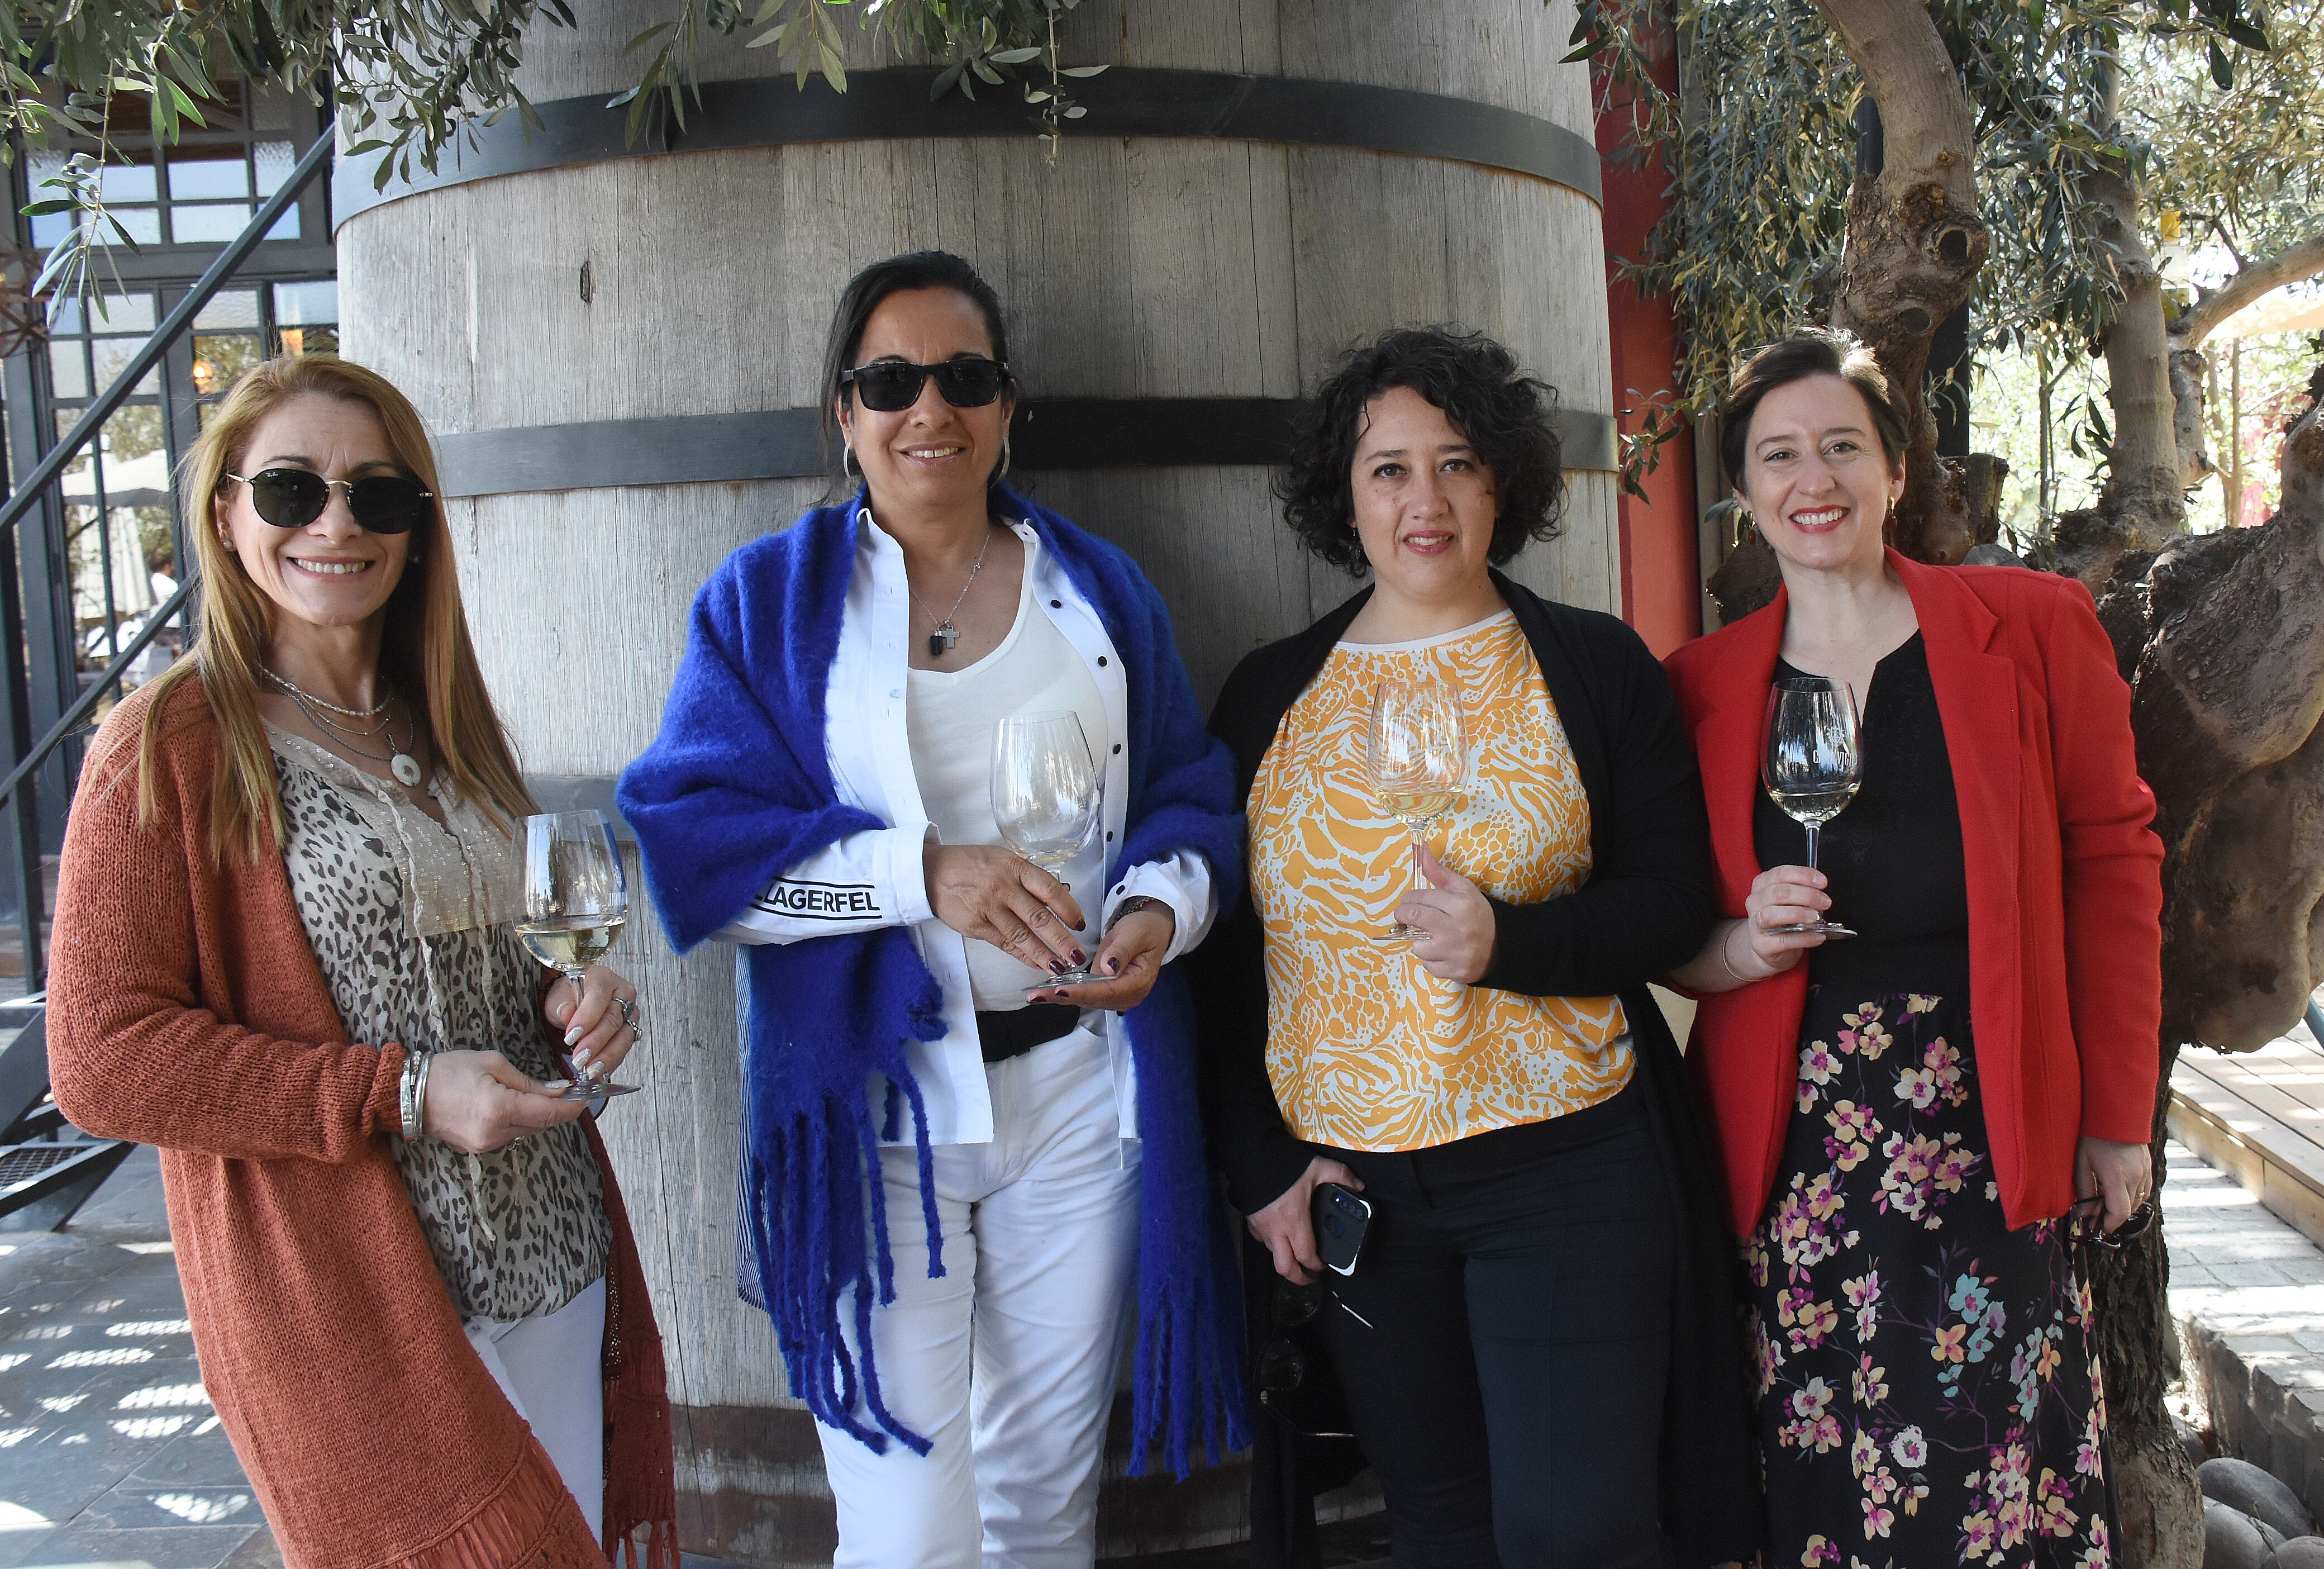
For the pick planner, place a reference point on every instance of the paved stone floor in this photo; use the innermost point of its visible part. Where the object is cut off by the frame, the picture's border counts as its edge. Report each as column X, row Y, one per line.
column 109, row 1453
column 111, row 1458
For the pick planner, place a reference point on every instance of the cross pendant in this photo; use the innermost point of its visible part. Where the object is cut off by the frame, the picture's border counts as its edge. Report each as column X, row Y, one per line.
column 940, row 642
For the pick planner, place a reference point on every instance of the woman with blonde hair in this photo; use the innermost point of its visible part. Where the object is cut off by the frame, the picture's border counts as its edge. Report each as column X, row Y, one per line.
column 283, row 954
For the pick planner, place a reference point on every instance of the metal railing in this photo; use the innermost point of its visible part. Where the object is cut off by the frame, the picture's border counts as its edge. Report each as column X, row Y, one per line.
column 23, row 839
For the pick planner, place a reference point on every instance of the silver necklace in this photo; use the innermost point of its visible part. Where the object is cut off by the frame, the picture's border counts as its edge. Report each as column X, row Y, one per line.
column 945, row 635
column 296, row 690
column 399, row 762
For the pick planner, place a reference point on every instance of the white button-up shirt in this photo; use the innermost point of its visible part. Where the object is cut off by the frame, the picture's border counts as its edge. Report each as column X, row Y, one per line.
column 877, row 878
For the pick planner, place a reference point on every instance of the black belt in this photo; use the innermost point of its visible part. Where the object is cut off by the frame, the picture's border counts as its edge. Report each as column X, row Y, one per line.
column 1018, row 1031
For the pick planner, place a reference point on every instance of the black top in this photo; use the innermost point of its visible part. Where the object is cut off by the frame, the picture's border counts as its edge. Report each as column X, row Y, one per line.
column 1643, row 911
column 1894, row 856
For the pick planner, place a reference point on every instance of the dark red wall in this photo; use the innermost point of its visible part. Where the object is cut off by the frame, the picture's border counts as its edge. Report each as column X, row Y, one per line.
column 1661, row 595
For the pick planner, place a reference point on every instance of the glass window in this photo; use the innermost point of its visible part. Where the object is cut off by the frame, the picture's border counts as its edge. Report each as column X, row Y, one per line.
column 68, row 316
column 286, row 227
column 220, row 358
column 208, row 179
column 128, row 182
column 229, row 308
column 142, row 223
column 123, row 313
column 111, row 356
column 310, row 339
column 307, row 304
column 208, row 224
column 275, row 161
column 68, row 375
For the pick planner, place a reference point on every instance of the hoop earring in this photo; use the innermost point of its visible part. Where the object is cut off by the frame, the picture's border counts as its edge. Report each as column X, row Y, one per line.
column 1004, row 457
column 846, row 456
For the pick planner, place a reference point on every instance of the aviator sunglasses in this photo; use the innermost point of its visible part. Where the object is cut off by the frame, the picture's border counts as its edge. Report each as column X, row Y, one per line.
column 891, row 386
column 293, row 498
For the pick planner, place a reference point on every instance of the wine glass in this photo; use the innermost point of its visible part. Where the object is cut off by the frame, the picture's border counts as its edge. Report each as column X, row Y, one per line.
column 1813, row 764
column 1045, row 796
column 1418, row 753
column 575, row 899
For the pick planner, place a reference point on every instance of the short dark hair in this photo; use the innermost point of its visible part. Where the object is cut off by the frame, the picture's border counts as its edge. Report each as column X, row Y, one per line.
column 897, row 275
column 1813, row 351
column 1502, row 413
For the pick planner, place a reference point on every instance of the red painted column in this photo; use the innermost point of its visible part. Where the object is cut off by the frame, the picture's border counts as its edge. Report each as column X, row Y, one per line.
column 1661, row 595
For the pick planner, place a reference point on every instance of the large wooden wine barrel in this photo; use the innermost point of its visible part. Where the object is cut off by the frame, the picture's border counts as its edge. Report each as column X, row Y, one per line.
column 618, row 348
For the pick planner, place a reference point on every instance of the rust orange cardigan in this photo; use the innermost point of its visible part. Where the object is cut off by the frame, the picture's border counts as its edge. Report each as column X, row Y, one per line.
column 185, row 1011
column 2065, row 893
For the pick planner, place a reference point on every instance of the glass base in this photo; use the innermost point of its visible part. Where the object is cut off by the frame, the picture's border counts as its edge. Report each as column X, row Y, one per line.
column 1399, row 933
column 593, row 1090
column 1081, row 976
column 1806, row 929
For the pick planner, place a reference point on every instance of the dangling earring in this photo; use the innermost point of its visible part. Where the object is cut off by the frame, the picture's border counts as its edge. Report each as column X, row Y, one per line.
column 846, row 456
column 1004, row 457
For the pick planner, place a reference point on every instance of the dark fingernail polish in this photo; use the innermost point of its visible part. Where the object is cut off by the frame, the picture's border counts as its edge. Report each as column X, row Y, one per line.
column 1113, row 967
column 1080, row 959
column 1057, row 966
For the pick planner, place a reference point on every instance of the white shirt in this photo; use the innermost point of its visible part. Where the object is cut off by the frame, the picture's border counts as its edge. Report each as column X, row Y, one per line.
column 876, row 878
column 954, row 718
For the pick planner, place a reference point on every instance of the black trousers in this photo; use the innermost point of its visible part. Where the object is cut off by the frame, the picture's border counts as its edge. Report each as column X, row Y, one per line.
column 1510, row 1391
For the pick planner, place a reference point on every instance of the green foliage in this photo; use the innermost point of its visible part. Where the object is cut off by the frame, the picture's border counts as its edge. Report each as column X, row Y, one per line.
column 1760, row 142
column 413, row 76
column 2243, row 163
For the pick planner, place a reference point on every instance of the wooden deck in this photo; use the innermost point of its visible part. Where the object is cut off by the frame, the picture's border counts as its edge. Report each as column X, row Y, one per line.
column 2259, row 1115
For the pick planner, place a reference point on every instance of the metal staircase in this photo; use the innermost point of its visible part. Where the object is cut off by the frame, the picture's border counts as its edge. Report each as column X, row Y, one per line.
column 48, row 1167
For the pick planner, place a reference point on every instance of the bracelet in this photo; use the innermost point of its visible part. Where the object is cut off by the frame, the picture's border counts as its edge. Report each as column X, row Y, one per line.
column 1132, row 906
column 403, row 1085
column 415, row 1094
column 1741, row 978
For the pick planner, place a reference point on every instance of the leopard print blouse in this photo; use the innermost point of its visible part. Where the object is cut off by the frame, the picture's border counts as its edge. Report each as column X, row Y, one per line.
column 409, row 922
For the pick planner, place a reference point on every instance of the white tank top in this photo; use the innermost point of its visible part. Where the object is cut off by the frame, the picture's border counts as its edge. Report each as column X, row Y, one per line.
column 952, row 717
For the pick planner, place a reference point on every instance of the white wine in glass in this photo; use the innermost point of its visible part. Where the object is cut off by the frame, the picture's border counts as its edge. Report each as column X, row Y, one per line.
column 1047, row 792
column 1814, row 761
column 576, row 897
column 1417, row 751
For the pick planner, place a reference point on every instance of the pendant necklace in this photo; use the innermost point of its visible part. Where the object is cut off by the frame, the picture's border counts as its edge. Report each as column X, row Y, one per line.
column 400, row 761
column 945, row 635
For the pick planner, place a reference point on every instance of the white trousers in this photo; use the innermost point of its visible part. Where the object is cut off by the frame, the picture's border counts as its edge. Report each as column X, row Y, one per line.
column 1008, row 1362
column 551, row 1369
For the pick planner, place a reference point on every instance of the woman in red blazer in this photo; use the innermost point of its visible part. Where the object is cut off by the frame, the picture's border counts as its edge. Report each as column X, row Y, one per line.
column 1918, row 1122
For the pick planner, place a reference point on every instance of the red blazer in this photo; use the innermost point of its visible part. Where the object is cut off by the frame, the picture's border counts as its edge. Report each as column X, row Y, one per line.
column 2065, row 893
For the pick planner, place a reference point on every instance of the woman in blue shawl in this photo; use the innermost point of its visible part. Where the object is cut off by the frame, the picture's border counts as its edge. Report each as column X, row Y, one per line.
column 939, row 1133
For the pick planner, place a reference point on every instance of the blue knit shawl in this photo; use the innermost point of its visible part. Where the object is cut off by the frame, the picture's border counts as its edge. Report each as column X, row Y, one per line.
column 737, row 789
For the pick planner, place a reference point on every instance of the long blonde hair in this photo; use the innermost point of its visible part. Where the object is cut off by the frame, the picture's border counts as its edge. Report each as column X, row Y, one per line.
column 425, row 651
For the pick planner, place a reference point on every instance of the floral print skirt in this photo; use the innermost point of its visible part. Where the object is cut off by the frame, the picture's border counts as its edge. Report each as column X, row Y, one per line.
column 1928, row 1382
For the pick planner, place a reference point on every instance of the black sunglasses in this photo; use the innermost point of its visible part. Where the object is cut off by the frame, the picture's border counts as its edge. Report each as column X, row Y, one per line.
column 890, row 386
column 292, row 498
column 1282, row 1363
column 2085, row 1220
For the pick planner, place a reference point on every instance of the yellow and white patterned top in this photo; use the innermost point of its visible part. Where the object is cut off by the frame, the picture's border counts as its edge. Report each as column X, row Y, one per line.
column 1366, row 1049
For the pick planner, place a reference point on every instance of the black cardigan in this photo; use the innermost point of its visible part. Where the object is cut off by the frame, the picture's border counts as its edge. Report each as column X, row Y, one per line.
column 1643, row 911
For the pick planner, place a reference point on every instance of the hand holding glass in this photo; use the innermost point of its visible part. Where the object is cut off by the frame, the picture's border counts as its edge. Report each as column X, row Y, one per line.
column 1813, row 764
column 576, row 897
column 1045, row 795
column 1418, row 754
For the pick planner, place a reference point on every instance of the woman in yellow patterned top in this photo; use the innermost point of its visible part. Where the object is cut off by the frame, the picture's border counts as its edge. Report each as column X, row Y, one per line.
column 1536, row 1348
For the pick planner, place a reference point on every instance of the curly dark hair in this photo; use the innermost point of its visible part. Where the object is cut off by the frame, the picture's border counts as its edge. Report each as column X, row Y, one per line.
column 1503, row 413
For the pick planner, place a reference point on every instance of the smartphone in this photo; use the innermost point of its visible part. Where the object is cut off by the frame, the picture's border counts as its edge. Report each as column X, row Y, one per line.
column 1341, row 1215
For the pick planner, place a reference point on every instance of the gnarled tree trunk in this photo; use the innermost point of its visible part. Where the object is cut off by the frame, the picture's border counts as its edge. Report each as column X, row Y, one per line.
column 2222, row 637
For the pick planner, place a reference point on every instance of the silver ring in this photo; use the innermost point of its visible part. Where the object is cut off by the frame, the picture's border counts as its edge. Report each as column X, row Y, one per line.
column 629, row 1008
column 636, row 1034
